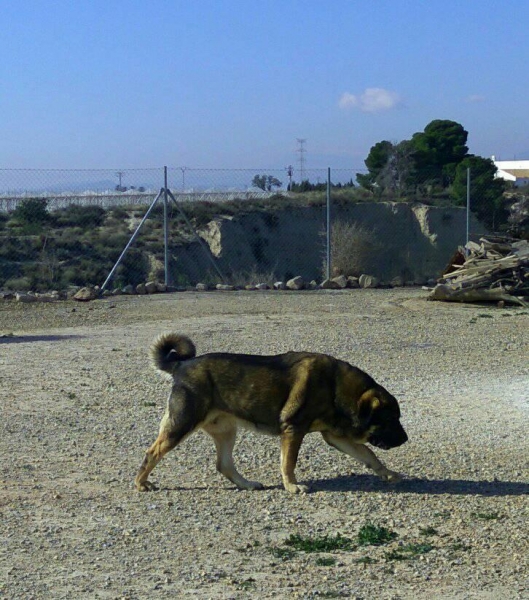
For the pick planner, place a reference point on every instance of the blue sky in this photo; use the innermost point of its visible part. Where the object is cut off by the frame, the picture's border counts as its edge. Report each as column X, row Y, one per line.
column 233, row 83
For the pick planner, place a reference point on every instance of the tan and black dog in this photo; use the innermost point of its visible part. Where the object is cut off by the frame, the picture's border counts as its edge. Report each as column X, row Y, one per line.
column 288, row 395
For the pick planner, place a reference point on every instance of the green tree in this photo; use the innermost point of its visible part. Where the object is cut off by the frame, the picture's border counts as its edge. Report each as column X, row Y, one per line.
column 486, row 191
column 32, row 211
column 438, row 150
column 266, row 182
column 395, row 176
column 375, row 162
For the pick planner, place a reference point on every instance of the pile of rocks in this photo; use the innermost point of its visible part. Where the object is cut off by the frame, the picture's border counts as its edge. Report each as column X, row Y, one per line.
column 88, row 293
column 28, row 297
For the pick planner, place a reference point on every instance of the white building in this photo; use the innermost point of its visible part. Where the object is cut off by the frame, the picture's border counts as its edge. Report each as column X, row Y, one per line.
column 516, row 171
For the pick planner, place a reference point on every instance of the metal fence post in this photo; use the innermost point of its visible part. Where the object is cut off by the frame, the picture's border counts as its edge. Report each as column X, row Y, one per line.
column 468, row 208
column 130, row 242
column 166, row 229
column 328, row 223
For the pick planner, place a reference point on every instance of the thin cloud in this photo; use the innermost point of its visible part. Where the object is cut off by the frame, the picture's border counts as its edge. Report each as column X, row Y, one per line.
column 370, row 100
column 473, row 98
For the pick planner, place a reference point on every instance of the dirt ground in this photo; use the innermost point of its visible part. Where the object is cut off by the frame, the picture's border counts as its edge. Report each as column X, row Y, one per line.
column 81, row 403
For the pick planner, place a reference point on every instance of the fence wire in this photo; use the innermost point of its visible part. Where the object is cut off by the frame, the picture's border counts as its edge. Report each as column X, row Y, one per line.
column 65, row 228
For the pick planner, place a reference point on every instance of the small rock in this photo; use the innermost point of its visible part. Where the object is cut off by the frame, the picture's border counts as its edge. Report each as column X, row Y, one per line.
column 352, row 282
column 280, row 285
column 161, row 288
column 397, row 281
column 202, row 287
column 141, row 289
column 262, row 286
column 151, row 287
column 224, row 287
column 128, row 289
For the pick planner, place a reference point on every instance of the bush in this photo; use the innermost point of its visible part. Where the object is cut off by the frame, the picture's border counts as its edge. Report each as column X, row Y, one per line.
column 80, row 216
column 18, row 284
column 32, row 211
column 353, row 249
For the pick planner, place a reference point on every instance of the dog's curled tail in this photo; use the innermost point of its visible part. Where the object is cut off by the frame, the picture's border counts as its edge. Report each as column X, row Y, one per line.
column 170, row 349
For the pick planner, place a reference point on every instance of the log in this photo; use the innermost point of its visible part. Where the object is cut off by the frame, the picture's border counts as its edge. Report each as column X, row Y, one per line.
column 449, row 294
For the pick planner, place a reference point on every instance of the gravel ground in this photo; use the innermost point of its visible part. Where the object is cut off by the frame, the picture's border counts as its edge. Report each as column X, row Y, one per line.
column 81, row 403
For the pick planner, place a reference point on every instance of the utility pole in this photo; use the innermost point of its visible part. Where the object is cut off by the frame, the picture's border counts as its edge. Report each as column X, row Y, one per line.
column 119, row 174
column 301, row 150
column 290, row 172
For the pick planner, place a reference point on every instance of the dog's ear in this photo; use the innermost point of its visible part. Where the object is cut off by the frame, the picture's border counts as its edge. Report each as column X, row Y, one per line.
column 367, row 405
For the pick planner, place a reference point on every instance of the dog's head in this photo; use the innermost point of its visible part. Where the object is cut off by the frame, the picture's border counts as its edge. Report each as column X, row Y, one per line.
column 379, row 416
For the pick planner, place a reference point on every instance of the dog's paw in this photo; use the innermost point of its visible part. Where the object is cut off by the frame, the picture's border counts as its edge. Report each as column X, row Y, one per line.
column 146, row 486
column 251, row 485
column 296, row 488
column 392, row 476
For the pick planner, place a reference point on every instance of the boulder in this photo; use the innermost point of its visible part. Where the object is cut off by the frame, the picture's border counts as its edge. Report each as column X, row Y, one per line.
column 368, row 281
column 26, row 298
column 46, row 298
column 202, row 287
column 329, row 284
column 280, row 285
column 296, row 283
column 224, row 287
column 85, row 294
column 352, row 282
column 141, row 289
column 341, row 281
column 151, row 287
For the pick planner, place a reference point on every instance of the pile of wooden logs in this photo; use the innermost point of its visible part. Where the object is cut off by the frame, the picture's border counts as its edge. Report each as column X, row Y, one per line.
column 495, row 270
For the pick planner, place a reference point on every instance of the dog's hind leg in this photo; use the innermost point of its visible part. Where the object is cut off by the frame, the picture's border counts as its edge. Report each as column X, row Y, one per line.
column 363, row 454
column 180, row 419
column 224, row 431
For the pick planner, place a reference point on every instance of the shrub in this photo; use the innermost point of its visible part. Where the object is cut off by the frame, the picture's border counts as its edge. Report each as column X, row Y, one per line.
column 18, row 284
column 353, row 249
column 80, row 216
column 32, row 211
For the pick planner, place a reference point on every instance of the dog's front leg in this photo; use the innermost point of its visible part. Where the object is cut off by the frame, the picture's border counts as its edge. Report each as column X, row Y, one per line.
column 363, row 454
column 290, row 445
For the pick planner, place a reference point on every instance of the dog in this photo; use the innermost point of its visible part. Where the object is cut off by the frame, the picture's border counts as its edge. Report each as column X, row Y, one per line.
column 288, row 395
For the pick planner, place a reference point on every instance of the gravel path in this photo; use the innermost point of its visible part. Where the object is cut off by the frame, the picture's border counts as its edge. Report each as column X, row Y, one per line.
column 81, row 403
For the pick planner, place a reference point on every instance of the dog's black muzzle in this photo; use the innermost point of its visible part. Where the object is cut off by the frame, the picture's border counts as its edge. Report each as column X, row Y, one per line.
column 387, row 439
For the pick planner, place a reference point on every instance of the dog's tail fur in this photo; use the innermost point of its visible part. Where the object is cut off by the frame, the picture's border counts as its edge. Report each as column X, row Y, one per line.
column 170, row 349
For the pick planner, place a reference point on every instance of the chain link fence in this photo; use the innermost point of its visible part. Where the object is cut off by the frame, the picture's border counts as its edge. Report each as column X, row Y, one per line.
column 181, row 226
